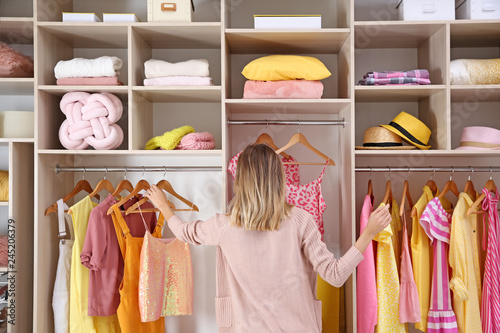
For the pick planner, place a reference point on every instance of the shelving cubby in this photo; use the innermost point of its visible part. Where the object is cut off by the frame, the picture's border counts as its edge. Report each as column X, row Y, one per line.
column 16, row 9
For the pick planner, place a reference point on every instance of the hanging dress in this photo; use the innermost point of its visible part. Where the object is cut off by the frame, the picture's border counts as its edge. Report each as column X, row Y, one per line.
column 436, row 222
column 80, row 321
column 60, row 300
column 166, row 278
column 490, row 309
column 128, row 311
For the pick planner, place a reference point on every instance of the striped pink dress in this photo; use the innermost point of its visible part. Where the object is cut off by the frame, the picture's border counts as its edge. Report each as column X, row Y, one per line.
column 436, row 223
column 490, row 307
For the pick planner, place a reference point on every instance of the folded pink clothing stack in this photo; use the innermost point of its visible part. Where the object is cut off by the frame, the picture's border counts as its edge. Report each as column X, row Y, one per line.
column 292, row 89
column 90, row 81
column 179, row 81
column 197, row 141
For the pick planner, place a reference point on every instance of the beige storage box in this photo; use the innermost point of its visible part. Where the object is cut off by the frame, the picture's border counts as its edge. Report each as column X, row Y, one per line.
column 17, row 124
column 170, row 11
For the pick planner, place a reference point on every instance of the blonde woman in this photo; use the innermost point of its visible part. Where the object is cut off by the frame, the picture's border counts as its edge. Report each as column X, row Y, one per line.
column 268, row 252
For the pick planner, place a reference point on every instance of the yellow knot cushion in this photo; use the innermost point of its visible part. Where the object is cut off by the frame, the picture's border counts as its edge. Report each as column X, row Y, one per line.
column 285, row 67
column 169, row 140
column 4, row 185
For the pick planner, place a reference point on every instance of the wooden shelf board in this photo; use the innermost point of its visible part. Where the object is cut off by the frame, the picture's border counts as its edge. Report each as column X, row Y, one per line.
column 393, row 34
column 395, row 93
column 180, row 153
column 475, row 33
column 480, row 93
column 4, row 269
column 181, row 36
column 315, row 41
column 435, row 152
column 208, row 94
column 16, row 86
column 7, row 140
column 4, row 203
column 89, row 35
column 16, row 30
column 293, row 106
column 61, row 90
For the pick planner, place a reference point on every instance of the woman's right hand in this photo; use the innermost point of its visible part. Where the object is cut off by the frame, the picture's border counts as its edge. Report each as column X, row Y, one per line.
column 379, row 219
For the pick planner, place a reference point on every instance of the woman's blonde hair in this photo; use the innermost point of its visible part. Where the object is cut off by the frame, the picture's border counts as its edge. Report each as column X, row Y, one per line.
column 260, row 190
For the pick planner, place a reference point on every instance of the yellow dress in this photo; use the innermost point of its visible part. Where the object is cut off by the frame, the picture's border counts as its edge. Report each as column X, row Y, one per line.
column 388, row 280
column 464, row 261
column 79, row 321
column 332, row 303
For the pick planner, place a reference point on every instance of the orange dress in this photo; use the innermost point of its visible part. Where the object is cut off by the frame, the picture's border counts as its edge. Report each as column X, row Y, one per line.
column 128, row 310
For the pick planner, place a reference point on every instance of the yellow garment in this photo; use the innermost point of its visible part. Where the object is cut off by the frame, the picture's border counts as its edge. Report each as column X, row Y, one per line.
column 396, row 228
column 79, row 322
column 4, row 185
column 464, row 261
column 331, row 305
column 422, row 259
column 169, row 140
column 388, row 281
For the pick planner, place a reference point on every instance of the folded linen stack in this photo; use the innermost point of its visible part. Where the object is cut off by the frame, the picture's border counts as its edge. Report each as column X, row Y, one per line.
column 102, row 71
column 192, row 72
column 284, row 76
column 413, row 77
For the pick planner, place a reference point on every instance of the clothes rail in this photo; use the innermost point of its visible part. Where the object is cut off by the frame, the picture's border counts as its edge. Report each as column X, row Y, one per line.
column 428, row 169
column 139, row 169
column 287, row 122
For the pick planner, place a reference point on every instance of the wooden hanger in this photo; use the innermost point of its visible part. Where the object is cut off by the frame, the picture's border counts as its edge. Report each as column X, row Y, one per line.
column 370, row 188
column 141, row 185
column 388, row 193
column 164, row 185
column 469, row 188
column 300, row 138
column 104, row 184
column 449, row 186
column 266, row 138
column 123, row 185
column 406, row 195
column 82, row 185
column 490, row 186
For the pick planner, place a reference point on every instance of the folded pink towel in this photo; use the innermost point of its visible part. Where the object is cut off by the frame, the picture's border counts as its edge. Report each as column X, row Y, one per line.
column 283, row 89
column 179, row 81
column 90, row 81
column 197, row 141
column 14, row 63
column 90, row 120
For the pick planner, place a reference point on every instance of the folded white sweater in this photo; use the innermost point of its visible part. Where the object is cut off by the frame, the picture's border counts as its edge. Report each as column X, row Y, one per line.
column 158, row 68
column 81, row 67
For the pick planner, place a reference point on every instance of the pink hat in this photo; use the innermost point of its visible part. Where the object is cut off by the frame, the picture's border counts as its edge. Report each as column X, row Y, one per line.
column 479, row 137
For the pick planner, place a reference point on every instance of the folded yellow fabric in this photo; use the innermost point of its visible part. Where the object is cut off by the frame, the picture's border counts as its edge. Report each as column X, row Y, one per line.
column 285, row 67
column 475, row 71
column 4, row 185
column 169, row 140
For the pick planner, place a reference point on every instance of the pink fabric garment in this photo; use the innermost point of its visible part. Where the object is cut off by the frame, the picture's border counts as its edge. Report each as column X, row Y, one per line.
column 101, row 255
column 490, row 307
column 409, row 304
column 436, row 222
column 283, row 89
column 90, row 120
column 13, row 63
column 90, row 81
column 292, row 174
column 4, row 260
column 266, row 280
column 179, row 81
column 197, row 141
column 366, row 283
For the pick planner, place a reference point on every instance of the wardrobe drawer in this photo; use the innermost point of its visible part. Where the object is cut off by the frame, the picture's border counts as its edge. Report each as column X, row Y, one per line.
column 170, row 11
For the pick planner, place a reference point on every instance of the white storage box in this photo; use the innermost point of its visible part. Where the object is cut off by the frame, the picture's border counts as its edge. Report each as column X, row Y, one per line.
column 478, row 9
column 421, row 10
column 17, row 124
column 120, row 17
column 79, row 17
column 287, row 21
column 170, row 11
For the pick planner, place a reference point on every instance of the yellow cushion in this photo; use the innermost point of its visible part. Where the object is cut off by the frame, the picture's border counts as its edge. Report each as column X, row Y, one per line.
column 4, row 185
column 285, row 67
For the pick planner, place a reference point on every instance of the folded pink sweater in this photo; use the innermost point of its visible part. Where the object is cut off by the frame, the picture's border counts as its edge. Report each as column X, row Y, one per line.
column 266, row 280
column 283, row 89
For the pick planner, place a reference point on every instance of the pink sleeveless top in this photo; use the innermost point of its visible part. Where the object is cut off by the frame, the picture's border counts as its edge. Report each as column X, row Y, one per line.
column 165, row 279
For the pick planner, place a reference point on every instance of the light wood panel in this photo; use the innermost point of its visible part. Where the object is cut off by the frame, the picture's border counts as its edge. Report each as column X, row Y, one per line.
column 423, row 153
column 181, row 35
column 472, row 94
column 88, row 35
column 475, row 33
column 396, row 93
column 16, row 86
column 287, row 106
column 4, row 203
column 16, row 30
column 62, row 90
column 208, row 94
column 251, row 41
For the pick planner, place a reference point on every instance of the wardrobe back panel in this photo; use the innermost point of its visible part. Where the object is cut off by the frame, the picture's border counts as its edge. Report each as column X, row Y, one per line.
column 18, row 8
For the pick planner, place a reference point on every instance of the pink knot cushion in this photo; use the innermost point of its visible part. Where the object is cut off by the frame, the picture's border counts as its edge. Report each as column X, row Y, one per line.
column 90, row 121
column 197, row 141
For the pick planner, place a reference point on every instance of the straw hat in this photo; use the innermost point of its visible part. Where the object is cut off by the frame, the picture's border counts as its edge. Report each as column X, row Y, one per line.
column 411, row 129
column 381, row 138
column 480, row 137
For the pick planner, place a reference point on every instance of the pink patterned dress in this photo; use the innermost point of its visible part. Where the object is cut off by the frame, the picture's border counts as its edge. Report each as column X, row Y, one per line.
column 436, row 222
column 490, row 307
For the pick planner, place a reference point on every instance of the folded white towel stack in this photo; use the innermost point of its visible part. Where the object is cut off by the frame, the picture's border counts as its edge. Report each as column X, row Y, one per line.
column 81, row 67
column 154, row 68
